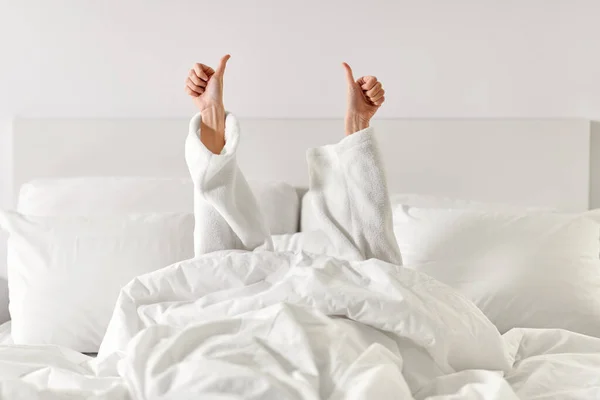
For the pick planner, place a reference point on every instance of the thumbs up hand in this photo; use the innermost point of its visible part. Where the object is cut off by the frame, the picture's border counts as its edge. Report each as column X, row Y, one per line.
column 365, row 96
column 205, row 85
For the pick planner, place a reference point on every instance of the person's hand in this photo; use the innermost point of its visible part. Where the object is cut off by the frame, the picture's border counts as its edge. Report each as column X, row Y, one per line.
column 365, row 96
column 205, row 86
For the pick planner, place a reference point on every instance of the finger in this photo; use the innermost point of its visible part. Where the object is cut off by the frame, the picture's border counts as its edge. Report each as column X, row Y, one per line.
column 374, row 89
column 379, row 101
column 191, row 92
column 197, row 81
column 199, row 70
column 368, row 82
column 349, row 75
column 377, row 94
column 222, row 64
column 195, row 88
column 377, row 98
column 203, row 71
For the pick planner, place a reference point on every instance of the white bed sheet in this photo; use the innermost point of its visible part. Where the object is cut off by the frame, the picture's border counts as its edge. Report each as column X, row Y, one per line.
column 549, row 364
column 231, row 332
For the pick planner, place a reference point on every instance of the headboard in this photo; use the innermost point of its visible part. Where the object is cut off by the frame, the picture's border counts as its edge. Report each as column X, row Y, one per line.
column 537, row 162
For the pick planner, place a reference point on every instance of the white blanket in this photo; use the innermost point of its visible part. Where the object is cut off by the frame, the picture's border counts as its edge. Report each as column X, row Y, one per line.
column 239, row 324
column 292, row 326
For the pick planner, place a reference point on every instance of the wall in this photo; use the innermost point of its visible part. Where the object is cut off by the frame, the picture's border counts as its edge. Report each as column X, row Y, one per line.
column 461, row 58
column 5, row 189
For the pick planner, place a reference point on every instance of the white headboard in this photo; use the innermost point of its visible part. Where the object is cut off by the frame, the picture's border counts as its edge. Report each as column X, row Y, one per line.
column 534, row 162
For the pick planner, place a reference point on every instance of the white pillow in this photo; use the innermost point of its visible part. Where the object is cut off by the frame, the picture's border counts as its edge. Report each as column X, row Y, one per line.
column 430, row 201
column 529, row 270
column 309, row 223
column 279, row 201
column 65, row 273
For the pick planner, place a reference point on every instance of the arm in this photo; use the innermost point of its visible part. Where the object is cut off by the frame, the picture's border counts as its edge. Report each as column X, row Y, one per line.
column 348, row 188
column 226, row 213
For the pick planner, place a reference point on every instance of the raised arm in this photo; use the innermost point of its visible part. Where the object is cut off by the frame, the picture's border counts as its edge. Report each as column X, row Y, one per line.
column 226, row 212
column 348, row 191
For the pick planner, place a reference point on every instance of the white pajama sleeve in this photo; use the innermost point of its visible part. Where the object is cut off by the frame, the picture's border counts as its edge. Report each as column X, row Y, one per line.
column 350, row 199
column 227, row 215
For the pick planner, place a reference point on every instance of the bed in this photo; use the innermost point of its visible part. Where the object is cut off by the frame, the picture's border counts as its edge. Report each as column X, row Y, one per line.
column 225, row 325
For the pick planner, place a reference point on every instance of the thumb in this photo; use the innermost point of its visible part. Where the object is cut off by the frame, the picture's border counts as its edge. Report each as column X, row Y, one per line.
column 222, row 64
column 349, row 75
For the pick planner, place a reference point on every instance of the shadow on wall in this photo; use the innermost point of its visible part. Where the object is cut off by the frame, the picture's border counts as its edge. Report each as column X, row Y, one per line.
column 595, row 165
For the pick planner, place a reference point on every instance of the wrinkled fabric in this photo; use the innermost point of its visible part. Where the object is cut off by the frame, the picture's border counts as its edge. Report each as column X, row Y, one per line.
column 241, row 321
column 309, row 304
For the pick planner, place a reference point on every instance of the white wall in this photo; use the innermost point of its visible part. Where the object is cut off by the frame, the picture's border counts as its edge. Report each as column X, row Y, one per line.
column 460, row 58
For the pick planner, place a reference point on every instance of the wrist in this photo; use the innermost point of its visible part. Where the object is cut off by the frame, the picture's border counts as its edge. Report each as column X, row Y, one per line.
column 212, row 128
column 214, row 117
column 355, row 123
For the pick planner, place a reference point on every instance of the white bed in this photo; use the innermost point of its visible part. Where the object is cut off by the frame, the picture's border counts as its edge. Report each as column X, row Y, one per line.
column 418, row 353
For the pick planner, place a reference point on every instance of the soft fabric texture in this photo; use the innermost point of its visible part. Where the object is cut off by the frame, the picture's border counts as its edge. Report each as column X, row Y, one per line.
column 308, row 222
column 348, row 189
column 237, row 311
column 430, row 201
column 230, row 315
column 65, row 273
column 265, row 325
column 227, row 215
column 93, row 196
column 523, row 269
column 278, row 201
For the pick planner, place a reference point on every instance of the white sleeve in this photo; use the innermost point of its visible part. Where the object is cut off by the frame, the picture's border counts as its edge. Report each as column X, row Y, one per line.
column 350, row 199
column 227, row 215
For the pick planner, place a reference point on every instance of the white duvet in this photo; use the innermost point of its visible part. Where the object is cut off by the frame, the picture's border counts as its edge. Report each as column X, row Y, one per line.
column 264, row 325
column 253, row 323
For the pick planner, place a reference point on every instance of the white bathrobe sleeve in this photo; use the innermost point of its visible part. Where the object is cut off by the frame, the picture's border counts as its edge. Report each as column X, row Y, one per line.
column 350, row 199
column 227, row 215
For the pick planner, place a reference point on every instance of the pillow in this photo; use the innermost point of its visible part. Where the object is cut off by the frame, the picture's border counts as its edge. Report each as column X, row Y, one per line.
column 430, row 201
column 308, row 222
column 65, row 273
column 279, row 201
column 527, row 270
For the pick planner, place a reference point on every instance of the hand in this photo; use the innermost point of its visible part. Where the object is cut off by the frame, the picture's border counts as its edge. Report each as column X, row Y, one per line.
column 205, row 86
column 365, row 96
